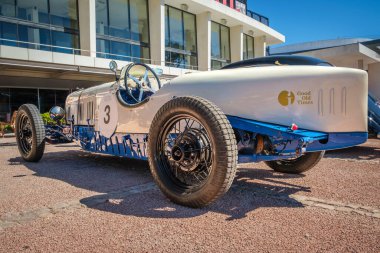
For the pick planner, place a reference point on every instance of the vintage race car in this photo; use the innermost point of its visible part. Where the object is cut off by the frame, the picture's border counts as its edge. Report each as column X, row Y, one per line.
column 194, row 129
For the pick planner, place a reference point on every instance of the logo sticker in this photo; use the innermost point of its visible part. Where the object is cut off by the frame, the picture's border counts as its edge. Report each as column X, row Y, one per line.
column 286, row 98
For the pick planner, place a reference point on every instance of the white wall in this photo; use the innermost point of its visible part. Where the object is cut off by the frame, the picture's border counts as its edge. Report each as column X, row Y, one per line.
column 374, row 79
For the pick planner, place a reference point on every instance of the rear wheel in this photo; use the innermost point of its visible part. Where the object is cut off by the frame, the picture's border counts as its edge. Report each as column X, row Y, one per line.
column 192, row 151
column 297, row 165
column 30, row 133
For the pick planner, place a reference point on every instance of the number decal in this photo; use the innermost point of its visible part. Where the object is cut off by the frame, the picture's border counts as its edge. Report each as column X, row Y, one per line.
column 108, row 117
column 107, row 110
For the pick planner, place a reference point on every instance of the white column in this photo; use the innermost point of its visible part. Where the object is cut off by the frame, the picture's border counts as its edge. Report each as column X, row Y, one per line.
column 87, row 27
column 374, row 79
column 157, row 31
column 260, row 46
column 204, row 41
column 236, row 35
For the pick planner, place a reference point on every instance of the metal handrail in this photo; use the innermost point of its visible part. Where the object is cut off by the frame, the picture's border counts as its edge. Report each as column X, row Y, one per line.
column 77, row 51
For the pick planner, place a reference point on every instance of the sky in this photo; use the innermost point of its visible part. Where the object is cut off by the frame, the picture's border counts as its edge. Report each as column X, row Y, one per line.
column 308, row 20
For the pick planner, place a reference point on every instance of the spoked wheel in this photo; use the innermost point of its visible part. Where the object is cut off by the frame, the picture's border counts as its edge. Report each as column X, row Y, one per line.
column 297, row 165
column 30, row 133
column 187, row 151
column 192, row 151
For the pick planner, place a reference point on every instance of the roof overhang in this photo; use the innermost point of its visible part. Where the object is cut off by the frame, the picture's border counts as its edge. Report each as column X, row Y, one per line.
column 233, row 17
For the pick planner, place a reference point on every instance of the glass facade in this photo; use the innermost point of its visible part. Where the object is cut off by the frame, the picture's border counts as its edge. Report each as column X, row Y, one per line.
column 122, row 29
column 180, row 39
column 12, row 98
column 248, row 47
column 220, row 45
column 46, row 22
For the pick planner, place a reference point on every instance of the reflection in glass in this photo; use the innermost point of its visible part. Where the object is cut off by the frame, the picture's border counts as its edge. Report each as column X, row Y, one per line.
column 66, row 40
column 121, row 51
column 181, row 39
column 34, row 35
column 64, row 13
column 101, row 17
column 5, row 109
column 35, row 11
column 215, row 40
column 139, row 20
column 248, row 47
column 119, row 18
column 176, row 31
column 122, row 29
column 190, row 32
column 8, row 8
column 220, row 45
column 8, row 31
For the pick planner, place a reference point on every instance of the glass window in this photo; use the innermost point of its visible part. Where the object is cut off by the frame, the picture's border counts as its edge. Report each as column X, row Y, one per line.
column 60, row 97
column 102, row 46
column 248, row 47
column 220, row 45
column 34, row 35
column 225, row 42
column 5, row 112
column 8, row 31
column 181, row 39
column 64, row 13
column 66, row 40
column 140, row 54
column 190, row 32
column 22, row 96
column 119, row 18
column 215, row 41
column 47, row 100
column 8, row 8
column 139, row 20
column 176, row 28
column 125, row 33
column 101, row 17
column 121, row 51
column 35, row 11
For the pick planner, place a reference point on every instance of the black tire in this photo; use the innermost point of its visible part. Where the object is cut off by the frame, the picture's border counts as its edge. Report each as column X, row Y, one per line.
column 30, row 133
column 216, row 144
column 298, row 165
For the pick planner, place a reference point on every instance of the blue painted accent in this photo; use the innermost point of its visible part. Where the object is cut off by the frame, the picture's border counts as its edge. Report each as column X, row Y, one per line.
column 123, row 145
column 291, row 144
column 286, row 143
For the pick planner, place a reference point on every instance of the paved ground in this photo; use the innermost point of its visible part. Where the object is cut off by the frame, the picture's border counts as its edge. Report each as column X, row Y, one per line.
column 73, row 201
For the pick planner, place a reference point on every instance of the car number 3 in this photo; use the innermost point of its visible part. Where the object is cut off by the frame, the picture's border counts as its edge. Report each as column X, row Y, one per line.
column 107, row 110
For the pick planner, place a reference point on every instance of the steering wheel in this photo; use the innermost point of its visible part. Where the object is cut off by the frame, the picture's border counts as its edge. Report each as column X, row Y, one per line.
column 140, row 82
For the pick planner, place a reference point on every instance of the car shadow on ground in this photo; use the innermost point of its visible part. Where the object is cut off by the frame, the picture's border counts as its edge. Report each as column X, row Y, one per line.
column 252, row 189
column 366, row 152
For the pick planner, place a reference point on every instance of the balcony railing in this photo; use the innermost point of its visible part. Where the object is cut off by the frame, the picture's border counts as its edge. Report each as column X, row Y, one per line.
column 258, row 17
column 241, row 6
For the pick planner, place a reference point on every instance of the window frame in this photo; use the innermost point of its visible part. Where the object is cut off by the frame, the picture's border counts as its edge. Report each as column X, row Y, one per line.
column 221, row 60
column 50, row 27
column 109, row 38
column 245, row 50
column 183, row 51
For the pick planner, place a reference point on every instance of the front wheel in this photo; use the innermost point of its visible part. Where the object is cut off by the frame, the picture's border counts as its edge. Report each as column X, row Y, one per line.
column 192, row 151
column 30, row 133
column 297, row 165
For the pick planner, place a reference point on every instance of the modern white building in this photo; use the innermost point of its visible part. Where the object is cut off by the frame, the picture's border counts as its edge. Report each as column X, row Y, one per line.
column 50, row 47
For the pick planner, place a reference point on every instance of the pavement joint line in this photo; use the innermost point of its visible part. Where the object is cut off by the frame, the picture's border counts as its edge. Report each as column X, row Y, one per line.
column 318, row 203
column 18, row 218
column 332, row 157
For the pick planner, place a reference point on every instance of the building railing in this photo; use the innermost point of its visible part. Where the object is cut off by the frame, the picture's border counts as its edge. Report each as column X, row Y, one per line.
column 258, row 17
column 88, row 53
column 241, row 6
